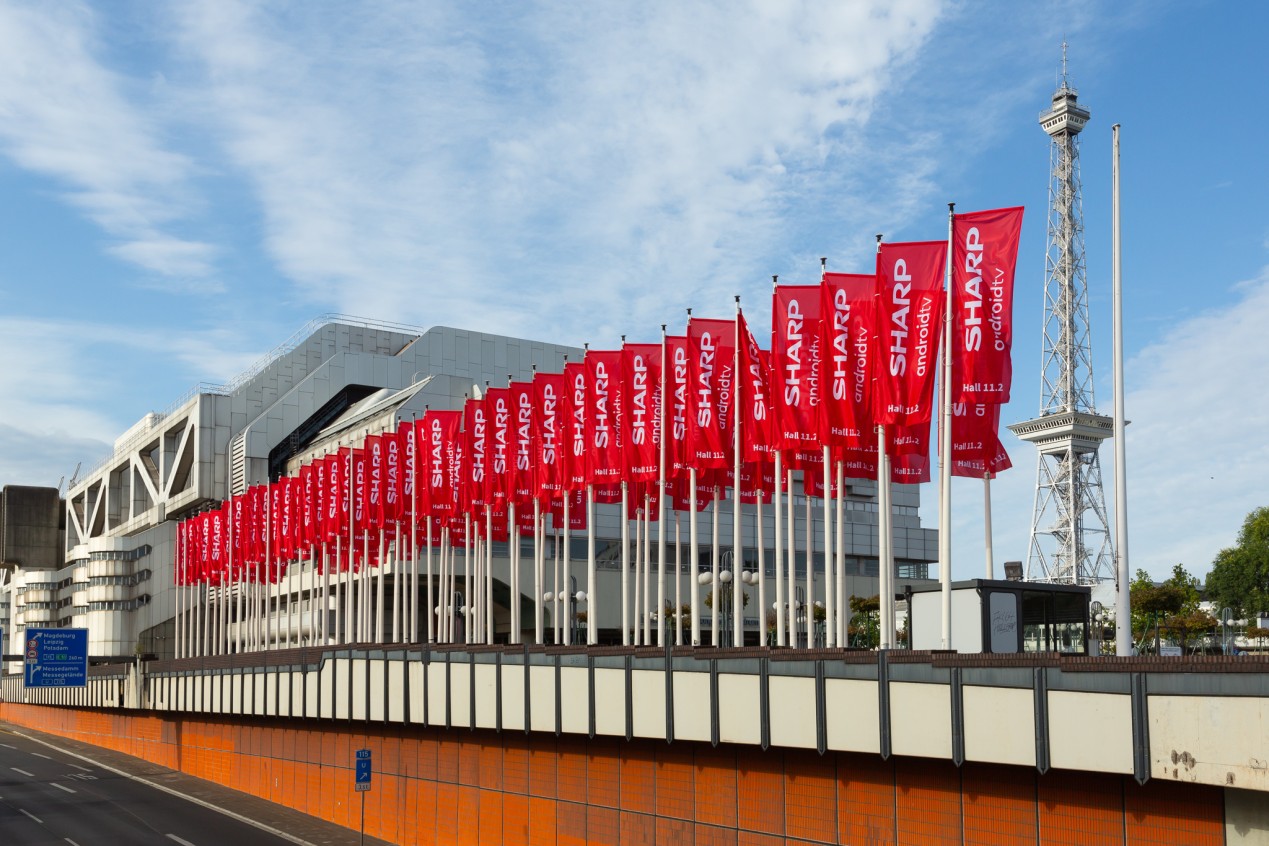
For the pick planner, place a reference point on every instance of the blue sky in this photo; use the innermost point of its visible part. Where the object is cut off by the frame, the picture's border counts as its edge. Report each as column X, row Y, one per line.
column 183, row 186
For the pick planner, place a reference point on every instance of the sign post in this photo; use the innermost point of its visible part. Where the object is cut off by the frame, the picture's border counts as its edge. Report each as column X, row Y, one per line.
column 56, row 658
column 361, row 783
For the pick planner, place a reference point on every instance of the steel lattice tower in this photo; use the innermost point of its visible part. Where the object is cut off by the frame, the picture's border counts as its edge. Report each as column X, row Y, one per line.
column 1070, row 541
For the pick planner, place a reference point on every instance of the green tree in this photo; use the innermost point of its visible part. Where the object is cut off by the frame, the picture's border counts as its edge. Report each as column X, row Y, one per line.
column 1170, row 607
column 1240, row 574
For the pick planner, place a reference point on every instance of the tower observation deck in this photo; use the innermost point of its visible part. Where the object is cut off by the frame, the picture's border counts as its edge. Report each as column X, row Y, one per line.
column 1070, row 541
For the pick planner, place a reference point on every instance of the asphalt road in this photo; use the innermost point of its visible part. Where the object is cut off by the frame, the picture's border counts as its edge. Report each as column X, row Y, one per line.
column 50, row 797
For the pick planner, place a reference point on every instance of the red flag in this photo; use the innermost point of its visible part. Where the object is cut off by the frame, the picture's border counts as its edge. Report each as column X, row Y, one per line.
column 712, row 379
column 373, row 485
column 307, row 494
column 677, row 385
column 441, row 451
column 336, row 494
column 360, row 493
column 575, row 391
column 757, row 414
column 475, row 450
column 550, row 424
column 523, row 483
column 984, row 256
column 393, row 481
column 500, row 467
column 795, row 363
column 409, row 498
column 909, row 321
column 605, row 453
column 976, row 447
column 849, row 313
column 642, row 406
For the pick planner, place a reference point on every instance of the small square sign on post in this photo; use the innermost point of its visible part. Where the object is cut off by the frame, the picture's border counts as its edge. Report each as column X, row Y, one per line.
column 363, row 770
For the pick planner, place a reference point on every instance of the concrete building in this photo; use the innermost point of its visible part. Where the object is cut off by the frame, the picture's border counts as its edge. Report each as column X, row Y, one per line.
column 331, row 384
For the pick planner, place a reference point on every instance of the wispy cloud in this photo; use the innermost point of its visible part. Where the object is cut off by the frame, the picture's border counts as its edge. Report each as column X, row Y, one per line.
column 629, row 160
column 65, row 115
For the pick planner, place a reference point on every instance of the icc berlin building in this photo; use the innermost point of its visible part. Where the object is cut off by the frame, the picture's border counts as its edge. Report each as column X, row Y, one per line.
column 330, row 386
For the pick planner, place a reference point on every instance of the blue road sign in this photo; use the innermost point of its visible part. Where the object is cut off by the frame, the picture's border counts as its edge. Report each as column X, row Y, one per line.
column 362, row 778
column 56, row 658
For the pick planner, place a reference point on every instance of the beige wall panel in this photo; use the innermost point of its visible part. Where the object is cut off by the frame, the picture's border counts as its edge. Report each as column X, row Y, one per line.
column 793, row 712
column 542, row 698
column 999, row 725
column 648, row 689
column 460, row 694
column 921, row 720
column 436, row 697
column 574, row 700
column 1090, row 731
column 486, row 696
column 610, row 702
column 415, row 671
column 739, row 709
column 851, row 715
column 1212, row 740
column 691, row 706
column 513, row 698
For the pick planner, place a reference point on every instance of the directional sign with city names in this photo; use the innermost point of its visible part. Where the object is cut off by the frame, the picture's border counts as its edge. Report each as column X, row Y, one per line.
column 362, row 781
column 56, row 658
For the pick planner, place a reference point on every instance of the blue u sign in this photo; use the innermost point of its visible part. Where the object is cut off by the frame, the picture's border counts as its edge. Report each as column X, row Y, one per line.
column 56, row 658
column 362, row 770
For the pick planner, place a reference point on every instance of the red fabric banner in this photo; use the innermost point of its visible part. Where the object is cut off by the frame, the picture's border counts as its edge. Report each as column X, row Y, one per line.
column 976, row 447
column 711, row 389
column 360, row 494
column 677, row 386
column 909, row 323
column 605, row 452
column 641, row 366
column 475, row 453
column 849, row 310
column 758, row 425
column 984, row 257
column 440, row 458
column 308, row 505
column 575, row 392
column 523, row 447
column 393, row 464
column 498, row 475
column 412, row 505
column 550, row 422
column 796, row 352
column 375, row 476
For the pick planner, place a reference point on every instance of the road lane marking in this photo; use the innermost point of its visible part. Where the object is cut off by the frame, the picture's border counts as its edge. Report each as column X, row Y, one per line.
column 32, row 816
column 7, row 746
column 71, row 842
column 24, row 772
column 163, row 788
column 78, row 767
column 38, row 755
column 62, row 787
column 180, row 840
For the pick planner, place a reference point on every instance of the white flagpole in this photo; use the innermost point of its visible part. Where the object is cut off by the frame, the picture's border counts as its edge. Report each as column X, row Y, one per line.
column 591, row 605
column 737, row 541
column 791, row 538
column 566, row 626
column 884, row 541
column 561, row 543
column 487, row 605
column 991, row 565
column 1123, row 609
column 678, row 583
column 762, row 560
column 539, row 546
column 694, row 563
column 840, row 599
column 830, row 584
column 810, row 566
column 468, row 562
column 661, row 509
column 945, row 452
column 647, row 571
column 625, row 566
column 635, row 636
column 777, row 513
column 715, row 558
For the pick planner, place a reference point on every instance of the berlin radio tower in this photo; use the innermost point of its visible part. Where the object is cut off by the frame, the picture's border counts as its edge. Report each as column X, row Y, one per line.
column 1070, row 541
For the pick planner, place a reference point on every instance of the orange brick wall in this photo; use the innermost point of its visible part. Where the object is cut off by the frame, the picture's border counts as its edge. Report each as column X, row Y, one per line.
column 481, row 787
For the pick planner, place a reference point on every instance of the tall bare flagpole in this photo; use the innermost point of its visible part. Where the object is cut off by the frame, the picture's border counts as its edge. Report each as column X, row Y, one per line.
column 737, row 548
column 1123, row 608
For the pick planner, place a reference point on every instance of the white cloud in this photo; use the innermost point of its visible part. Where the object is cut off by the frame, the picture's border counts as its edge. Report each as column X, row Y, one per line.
column 66, row 116
column 631, row 160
